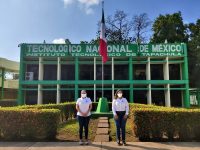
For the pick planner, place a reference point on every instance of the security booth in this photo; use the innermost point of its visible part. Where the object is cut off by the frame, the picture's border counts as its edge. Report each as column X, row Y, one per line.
column 147, row 73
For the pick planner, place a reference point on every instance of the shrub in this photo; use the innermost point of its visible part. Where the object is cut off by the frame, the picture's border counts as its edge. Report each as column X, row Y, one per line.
column 154, row 123
column 31, row 124
column 8, row 103
column 67, row 110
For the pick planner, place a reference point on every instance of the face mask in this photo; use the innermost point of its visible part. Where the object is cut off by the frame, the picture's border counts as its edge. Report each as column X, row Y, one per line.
column 119, row 95
column 83, row 95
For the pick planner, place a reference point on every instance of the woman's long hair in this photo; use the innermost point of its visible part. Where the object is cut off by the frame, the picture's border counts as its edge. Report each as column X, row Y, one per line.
column 115, row 96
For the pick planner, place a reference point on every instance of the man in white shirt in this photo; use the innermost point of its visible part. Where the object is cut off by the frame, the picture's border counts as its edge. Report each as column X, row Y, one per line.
column 120, row 108
column 83, row 107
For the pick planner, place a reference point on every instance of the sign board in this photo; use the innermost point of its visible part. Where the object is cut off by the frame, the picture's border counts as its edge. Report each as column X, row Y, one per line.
column 91, row 50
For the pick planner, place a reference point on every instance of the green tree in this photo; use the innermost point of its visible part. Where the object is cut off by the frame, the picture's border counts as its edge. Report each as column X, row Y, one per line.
column 93, row 41
column 169, row 27
column 67, row 41
column 194, row 53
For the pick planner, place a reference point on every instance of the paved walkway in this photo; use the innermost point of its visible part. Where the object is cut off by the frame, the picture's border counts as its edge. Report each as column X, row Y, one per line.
column 102, row 130
column 99, row 146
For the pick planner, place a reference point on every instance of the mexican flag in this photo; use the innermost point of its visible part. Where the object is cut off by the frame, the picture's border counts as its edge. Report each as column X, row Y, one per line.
column 103, row 42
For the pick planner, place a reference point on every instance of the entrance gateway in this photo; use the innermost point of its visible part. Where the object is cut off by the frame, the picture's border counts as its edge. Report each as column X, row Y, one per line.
column 147, row 73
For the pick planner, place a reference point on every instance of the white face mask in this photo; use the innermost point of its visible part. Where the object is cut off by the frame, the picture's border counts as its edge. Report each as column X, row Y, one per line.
column 83, row 95
column 119, row 95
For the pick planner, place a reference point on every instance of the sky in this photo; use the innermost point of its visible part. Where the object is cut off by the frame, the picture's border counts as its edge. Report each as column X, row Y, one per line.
column 33, row 21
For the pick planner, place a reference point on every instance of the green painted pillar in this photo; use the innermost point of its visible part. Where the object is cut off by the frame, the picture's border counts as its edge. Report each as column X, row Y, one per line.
column 20, row 99
column 131, row 78
column 76, row 78
column 185, row 77
column 2, row 82
column 102, row 105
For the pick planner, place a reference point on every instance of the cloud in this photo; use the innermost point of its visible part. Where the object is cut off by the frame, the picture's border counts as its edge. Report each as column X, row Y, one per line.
column 68, row 2
column 85, row 5
column 89, row 11
column 89, row 2
column 59, row 41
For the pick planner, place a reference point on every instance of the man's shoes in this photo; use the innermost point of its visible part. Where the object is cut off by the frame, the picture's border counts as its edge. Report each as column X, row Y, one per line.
column 81, row 142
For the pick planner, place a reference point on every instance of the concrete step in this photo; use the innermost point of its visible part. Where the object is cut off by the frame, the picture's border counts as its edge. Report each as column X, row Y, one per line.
column 103, row 125
column 103, row 118
column 103, row 121
column 102, row 131
column 101, row 138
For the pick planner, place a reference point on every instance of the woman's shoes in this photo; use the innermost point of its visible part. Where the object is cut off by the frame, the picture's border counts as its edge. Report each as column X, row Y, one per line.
column 81, row 142
column 86, row 142
column 124, row 143
column 118, row 142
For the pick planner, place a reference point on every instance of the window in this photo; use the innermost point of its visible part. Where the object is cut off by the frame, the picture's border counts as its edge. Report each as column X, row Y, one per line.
column 86, row 72
column 121, row 72
column 174, row 72
column 49, row 96
column 67, row 96
column 33, row 70
column 67, row 93
column 107, row 92
column 31, row 97
column 158, row 96
column 140, row 94
column 107, row 72
column 139, row 71
column 157, row 72
column 176, row 96
column 50, row 72
column 68, row 72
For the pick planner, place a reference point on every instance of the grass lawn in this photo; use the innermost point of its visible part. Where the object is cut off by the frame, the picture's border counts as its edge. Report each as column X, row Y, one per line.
column 69, row 131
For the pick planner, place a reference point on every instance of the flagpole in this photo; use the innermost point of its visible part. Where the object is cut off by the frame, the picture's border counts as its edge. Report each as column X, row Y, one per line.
column 102, row 78
column 102, row 65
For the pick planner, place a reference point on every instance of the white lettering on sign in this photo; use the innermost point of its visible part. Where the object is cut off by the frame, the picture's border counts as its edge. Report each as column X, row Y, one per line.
column 144, row 48
column 92, row 49
column 57, row 50
column 161, row 54
column 118, row 49
column 53, row 48
column 166, row 48
column 74, row 48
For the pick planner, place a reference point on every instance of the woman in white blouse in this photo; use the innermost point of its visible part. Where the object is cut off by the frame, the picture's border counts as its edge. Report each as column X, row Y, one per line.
column 120, row 108
column 83, row 107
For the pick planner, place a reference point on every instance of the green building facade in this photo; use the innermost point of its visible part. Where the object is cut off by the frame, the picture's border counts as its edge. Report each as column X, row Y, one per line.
column 147, row 73
column 8, row 87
